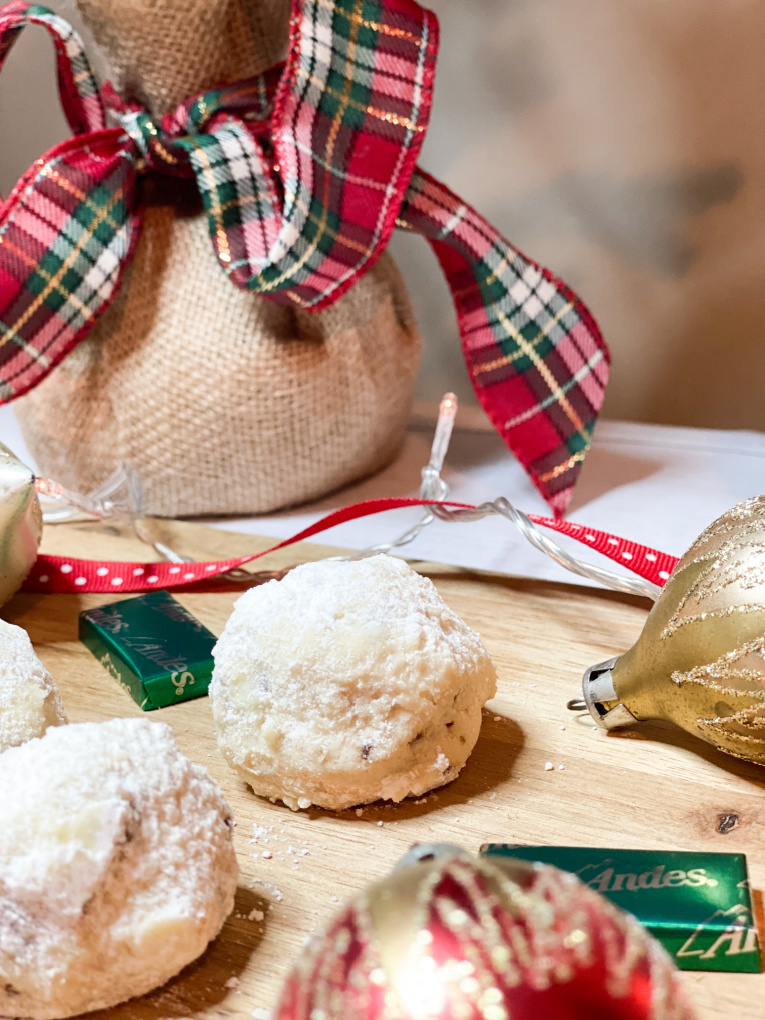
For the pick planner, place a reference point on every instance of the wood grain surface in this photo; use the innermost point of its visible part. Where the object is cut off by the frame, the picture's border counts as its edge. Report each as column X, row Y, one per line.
column 652, row 788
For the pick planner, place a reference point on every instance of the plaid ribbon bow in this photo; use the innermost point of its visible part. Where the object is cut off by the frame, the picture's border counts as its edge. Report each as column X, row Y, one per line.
column 304, row 173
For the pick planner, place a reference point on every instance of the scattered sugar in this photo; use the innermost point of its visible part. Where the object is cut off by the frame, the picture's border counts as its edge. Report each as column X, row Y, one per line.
column 268, row 855
column 261, row 832
column 276, row 892
column 549, row 766
column 233, row 982
column 561, row 767
column 255, row 915
column 561, row 727
column 261, row 1014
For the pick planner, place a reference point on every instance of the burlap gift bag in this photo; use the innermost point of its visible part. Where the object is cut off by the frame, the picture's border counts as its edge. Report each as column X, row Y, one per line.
column 167, row 359
column 219, row 400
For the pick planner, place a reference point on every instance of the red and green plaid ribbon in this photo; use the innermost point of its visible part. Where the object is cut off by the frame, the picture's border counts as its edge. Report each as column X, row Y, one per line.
column 304, row 173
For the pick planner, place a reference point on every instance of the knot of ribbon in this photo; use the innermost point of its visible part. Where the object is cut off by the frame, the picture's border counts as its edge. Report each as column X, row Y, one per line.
column 304, row 172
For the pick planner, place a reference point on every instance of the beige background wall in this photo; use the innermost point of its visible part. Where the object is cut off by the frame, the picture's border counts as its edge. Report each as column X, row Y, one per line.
column 622, row 142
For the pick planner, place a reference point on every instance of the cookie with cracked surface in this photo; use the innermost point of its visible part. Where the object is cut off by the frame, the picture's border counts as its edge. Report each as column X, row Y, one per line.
column 348, row 682
column 29, row 699
column 117, row 866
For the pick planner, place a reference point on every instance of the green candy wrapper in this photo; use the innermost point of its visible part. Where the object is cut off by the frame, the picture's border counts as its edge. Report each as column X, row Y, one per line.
column 155, row 648
column 698, row 905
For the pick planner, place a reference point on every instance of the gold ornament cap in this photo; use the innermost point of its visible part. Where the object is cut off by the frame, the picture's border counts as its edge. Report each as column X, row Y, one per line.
column 20, row 523
column 700, row 660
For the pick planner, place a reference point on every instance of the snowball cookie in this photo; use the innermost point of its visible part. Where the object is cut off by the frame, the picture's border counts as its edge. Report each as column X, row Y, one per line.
column 116, row 866
column 347, row 682
column 29, row 699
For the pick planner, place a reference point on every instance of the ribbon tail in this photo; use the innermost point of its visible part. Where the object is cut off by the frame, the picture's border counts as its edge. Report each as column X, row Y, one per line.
column 536, row 358
column 67, row 234
column 77, row 84
column 69, row 227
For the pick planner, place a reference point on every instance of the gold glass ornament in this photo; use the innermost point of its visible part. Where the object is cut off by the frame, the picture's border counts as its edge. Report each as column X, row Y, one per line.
column 20, row 523
column 700, row 661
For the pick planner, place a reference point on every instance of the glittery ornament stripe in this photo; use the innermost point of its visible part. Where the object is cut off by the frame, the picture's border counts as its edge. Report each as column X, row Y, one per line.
column 304, row 172
column 68, row 575
column 472, row 941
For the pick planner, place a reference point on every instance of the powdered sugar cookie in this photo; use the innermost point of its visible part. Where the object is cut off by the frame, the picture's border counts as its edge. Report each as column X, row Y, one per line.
column 29, row 699
column 347, row 682
column 116, row 866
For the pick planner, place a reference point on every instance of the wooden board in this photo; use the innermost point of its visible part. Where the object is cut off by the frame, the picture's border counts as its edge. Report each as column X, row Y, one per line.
column 653, row 788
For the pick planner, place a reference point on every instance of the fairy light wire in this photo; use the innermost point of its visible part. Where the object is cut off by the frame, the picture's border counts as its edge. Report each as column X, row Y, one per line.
column 435, row 488
column 121, row 496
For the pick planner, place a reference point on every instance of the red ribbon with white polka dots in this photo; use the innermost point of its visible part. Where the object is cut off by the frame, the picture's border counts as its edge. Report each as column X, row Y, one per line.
column 62, row 574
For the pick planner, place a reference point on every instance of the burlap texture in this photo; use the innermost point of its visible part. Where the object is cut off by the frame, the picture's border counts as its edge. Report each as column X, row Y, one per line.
column 160, row 52
column 220, row 401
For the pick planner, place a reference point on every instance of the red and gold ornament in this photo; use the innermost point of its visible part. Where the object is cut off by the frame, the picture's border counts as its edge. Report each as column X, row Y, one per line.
column 460, row 938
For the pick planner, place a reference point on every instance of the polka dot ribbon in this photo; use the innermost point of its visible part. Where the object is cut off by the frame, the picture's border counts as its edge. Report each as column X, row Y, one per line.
column 64, row 575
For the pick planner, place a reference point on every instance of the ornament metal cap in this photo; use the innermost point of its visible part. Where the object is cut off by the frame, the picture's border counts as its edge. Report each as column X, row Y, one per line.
column 600, row 698
column 20, row 523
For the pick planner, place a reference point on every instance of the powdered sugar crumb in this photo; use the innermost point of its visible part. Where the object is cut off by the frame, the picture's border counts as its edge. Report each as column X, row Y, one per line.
column 261, row 832
column 275, row 891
